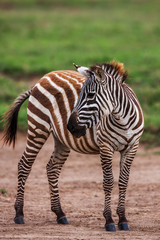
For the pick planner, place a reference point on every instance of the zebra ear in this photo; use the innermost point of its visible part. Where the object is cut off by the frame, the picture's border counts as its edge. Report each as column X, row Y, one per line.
column 99, row 73
column 82, row 70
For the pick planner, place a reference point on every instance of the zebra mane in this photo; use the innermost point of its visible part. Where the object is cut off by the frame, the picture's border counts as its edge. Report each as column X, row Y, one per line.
column 114, row 68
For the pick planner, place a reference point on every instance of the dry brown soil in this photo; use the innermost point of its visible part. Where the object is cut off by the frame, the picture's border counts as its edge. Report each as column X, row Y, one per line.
column 82, row 197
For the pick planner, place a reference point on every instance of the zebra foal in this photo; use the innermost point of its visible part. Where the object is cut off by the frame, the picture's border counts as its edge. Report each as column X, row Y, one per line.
column 51, row 102
column 108, row 104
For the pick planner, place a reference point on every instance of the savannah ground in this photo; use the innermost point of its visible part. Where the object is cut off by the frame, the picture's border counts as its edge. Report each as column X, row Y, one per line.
column 81, row 195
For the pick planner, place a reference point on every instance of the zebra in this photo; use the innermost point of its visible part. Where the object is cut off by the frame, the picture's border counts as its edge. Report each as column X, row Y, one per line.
column 51, row 102
column 107, row 103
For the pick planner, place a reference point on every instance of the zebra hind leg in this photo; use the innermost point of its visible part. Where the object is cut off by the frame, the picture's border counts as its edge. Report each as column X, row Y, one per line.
column 35, row 140
column 54, row 167
column 125, row 165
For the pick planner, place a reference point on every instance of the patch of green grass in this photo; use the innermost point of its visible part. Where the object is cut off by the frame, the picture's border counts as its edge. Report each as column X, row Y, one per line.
column 8, row 93
column 3, row 191
column 41, row 36
column 38, row 40
column 157, row 152
column 151, row 138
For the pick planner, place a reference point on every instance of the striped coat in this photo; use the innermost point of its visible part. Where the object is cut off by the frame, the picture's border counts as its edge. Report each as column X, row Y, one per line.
column 51, row 103
column 105, row 99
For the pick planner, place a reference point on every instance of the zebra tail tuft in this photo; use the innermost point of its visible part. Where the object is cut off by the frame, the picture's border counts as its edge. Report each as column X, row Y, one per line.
column 10, row 119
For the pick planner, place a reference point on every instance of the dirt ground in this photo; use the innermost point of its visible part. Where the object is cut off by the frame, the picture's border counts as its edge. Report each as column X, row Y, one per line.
column 82, row 197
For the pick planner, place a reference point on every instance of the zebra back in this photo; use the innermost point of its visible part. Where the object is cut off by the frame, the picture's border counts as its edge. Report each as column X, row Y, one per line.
column 51, row 103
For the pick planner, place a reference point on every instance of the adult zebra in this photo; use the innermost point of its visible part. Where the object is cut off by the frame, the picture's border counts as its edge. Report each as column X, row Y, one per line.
column 106, row 100
column 51, row 101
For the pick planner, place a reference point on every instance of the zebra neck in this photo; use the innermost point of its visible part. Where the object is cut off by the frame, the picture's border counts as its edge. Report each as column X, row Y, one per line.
column 125, row 110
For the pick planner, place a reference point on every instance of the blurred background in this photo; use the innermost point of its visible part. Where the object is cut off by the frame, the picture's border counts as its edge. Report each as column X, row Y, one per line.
column 39, row 36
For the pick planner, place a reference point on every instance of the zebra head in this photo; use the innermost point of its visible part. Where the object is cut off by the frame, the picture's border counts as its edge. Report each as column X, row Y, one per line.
column 94, row 102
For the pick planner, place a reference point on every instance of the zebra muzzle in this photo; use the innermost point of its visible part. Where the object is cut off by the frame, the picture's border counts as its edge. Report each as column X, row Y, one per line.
column 74, row 128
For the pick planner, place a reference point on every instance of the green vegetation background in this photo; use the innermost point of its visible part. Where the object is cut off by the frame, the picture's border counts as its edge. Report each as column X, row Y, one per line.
column 38, row 36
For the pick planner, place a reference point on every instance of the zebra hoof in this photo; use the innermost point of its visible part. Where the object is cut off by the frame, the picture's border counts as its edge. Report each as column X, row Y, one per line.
column 19, row 220
column 63, row 220
column 110, row 227
column 123, row 226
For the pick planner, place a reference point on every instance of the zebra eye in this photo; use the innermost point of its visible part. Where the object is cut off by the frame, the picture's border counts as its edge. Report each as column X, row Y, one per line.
column 90, row 95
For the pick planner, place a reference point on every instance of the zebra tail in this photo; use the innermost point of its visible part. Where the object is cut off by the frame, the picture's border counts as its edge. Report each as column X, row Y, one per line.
column 10, row 119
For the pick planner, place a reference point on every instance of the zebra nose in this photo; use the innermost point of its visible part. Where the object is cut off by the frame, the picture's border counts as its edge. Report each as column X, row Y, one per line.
column 74, row 128
column 72, row 123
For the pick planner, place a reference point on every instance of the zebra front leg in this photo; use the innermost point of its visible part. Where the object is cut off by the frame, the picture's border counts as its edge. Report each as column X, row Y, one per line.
column 54, row 167
column 35, row 142
column 108, row 182
column 125, row 165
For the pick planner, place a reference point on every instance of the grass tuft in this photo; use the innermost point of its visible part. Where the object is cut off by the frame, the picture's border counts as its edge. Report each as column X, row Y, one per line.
column 3, row 191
